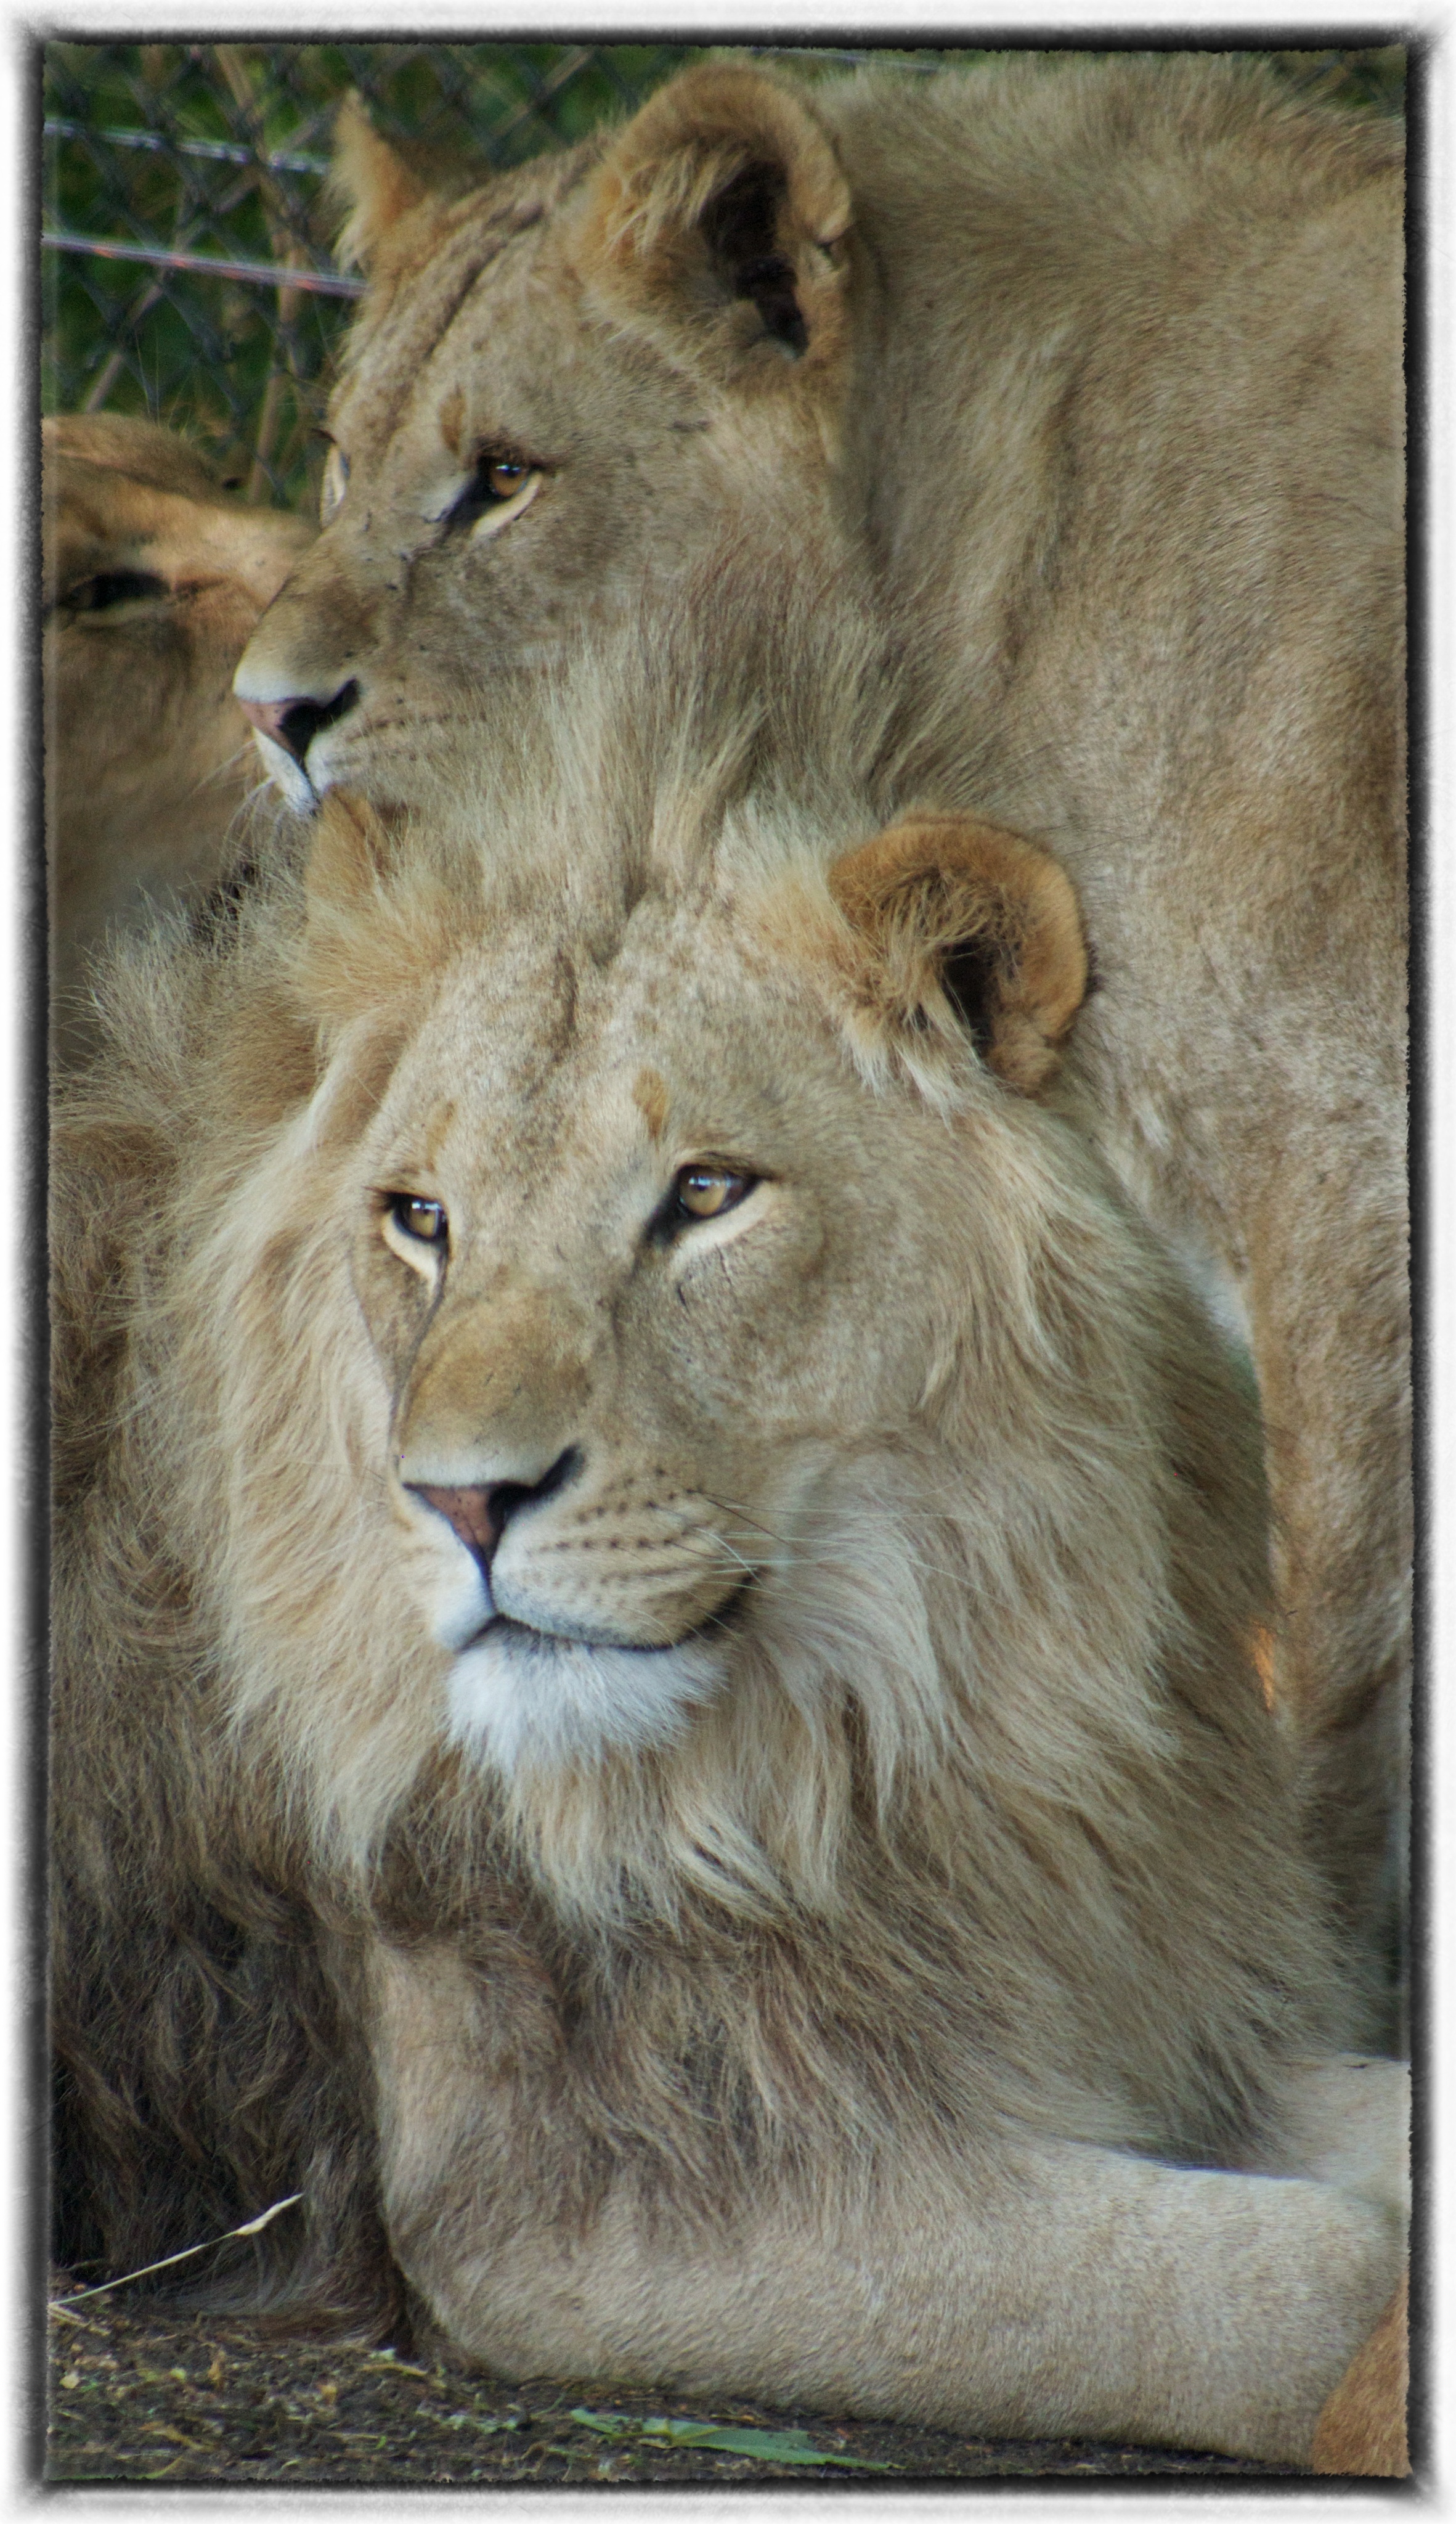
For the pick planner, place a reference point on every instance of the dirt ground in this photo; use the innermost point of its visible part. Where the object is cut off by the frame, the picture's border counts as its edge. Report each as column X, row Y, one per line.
column 138, row 2393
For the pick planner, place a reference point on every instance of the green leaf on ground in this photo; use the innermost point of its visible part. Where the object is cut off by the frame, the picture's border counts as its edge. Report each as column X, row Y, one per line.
column 763, row 2445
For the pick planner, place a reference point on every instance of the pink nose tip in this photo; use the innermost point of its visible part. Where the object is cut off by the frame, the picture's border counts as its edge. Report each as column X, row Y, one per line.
column 474, row 1513
column 269, row 717
column 294, row 724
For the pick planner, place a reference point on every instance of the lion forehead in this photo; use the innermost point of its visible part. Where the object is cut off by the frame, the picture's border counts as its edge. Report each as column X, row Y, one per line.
column 433, row 315
column 659, row 1031
column 435, row 344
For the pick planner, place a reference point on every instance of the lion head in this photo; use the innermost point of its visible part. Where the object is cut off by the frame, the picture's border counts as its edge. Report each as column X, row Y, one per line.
column 629, row 1405
column 154, row 578
column 553, row 452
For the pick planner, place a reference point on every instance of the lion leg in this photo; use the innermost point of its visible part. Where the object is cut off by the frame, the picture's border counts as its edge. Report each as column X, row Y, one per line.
column 1056, row 2290
column 1362, row 2425
column 1089, row 2295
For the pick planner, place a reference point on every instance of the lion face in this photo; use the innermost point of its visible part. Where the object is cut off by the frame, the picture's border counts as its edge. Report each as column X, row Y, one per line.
column 514, row 455
column 154, row 579
column 605, row 1275
column 592, row 1245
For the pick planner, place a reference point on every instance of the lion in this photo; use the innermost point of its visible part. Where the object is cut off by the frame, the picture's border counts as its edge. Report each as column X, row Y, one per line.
column 1095, row 368
column 154, row 578
column 656, row 1586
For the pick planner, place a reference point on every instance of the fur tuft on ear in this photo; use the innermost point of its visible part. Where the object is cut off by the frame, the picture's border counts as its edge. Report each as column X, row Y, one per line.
column 972, row 926
column 369, row 185
column 718, row 218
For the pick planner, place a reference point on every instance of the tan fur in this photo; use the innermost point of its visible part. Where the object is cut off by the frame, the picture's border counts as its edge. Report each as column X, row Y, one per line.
column 1102, row 383
column 1362, row 2425
column 147, row 753
column 832, row 1924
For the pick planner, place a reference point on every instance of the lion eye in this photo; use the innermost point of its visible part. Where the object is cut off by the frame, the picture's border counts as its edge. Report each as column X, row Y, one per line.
column 335, row 483
column 705, row 1192
column 494, row 483
column 424, row 1220
column 111, row 587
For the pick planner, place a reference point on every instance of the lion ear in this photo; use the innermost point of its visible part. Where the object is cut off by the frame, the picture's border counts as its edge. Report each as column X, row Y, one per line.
column 972, row 926
column 717, row 222
column 368, row 183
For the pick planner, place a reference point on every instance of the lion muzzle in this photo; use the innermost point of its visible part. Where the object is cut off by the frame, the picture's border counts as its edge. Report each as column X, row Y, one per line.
column 477, row 1512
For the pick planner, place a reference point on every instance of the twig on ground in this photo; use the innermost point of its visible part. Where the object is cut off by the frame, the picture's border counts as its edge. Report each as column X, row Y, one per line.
column 253, row 2226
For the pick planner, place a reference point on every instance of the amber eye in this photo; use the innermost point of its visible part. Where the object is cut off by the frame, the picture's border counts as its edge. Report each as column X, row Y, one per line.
column 495, row 480
column 423, row 1220
column 335, row 483
column 705, row 1192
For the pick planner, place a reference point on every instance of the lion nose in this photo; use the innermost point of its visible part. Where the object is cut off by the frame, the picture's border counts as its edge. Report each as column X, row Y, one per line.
column 295, row 723
column 479, row 1512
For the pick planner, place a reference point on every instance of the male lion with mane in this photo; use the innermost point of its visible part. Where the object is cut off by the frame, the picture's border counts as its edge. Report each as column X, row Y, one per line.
column 1097, row 367
column 654, row 1585
column 153, row 579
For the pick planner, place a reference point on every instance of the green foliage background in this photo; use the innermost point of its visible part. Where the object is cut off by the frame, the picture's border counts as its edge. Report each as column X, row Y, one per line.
column 218, row 151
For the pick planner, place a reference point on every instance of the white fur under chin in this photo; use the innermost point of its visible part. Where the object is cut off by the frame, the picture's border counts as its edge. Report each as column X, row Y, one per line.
column 519, row 1697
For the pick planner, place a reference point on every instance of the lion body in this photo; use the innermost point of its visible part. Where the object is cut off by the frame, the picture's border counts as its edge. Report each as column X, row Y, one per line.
column 1095, row 370
column 154, row 579
column 826, row 1914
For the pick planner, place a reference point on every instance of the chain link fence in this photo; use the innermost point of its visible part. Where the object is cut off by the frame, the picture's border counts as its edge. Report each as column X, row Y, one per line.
column 186, row 260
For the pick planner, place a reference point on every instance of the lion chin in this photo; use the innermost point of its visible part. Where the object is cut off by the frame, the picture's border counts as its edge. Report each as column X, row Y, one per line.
column 530, row 1690
column 521, row 1697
